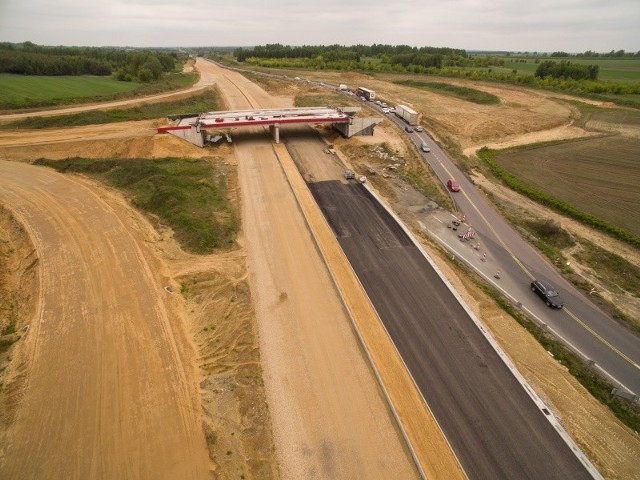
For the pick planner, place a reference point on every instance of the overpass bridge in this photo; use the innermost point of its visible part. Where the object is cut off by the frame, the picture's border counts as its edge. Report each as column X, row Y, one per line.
column 193, row 127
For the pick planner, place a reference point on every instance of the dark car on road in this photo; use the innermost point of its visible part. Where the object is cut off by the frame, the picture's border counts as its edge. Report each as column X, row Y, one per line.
column 549, row 294
column 408, row 129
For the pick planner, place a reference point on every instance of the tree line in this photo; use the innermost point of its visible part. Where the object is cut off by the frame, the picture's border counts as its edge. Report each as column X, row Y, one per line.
column 127, row 65
column 391, row 54
column 399, row 58
column 566, row 69
column 611, row 54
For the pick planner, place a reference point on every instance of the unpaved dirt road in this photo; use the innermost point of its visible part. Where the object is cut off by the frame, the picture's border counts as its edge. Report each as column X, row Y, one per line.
column 110, row 378
column 329, row 417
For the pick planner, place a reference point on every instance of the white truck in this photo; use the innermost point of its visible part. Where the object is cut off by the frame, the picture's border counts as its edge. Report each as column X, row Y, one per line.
column 407, row 114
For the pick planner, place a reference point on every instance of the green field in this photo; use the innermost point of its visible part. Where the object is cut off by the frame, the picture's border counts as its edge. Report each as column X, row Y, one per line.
column 599, row 176
column 20, row 88
column 611, row 69
column 30, row 91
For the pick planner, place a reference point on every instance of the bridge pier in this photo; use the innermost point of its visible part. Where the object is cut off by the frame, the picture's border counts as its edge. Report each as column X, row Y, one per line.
column 275, row 132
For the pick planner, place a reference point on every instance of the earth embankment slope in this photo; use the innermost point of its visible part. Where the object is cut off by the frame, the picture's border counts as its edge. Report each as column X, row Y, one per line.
column 110, row 384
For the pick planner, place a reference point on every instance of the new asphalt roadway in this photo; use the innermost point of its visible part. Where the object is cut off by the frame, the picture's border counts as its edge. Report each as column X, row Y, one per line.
column 493, row 425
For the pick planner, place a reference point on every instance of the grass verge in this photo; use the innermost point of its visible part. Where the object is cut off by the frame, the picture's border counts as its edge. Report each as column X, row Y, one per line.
column 188, row 195
column 463, row 93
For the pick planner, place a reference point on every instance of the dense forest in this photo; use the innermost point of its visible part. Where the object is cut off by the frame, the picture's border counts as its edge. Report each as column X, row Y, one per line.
column 31, row 59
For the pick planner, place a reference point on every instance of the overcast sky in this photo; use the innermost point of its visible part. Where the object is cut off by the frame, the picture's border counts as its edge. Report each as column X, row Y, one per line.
column 514, row 25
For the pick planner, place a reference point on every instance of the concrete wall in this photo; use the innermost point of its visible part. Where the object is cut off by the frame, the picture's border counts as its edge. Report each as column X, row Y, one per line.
column 357, row 126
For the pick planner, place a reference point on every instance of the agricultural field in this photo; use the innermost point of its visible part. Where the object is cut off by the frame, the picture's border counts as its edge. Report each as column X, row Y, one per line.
column 23, row 88
column 34, row 91
column 598, row 175
column 611, row 69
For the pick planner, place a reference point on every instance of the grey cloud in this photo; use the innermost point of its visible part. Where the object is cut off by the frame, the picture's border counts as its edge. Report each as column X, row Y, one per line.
column 544, row 25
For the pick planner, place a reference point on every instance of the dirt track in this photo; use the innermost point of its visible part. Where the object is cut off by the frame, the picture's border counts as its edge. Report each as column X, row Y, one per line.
column 109, row 390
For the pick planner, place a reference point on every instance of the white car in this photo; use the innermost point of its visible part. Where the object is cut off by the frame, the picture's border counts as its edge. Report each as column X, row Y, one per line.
column 385, row 110
column 425, row 148
column 419, row 128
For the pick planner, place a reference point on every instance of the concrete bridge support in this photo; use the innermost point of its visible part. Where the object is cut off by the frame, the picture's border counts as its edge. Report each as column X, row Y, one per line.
column 357, row 126
column 275, row 132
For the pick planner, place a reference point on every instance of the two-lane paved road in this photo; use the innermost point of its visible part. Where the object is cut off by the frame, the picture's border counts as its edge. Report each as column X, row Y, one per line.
column 587, row 329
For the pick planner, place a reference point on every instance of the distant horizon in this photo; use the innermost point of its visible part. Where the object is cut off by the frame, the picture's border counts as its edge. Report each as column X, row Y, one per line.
column 193, row 47
column 519, row 25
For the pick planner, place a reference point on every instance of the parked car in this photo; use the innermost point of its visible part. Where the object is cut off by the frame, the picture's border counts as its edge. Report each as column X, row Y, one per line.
column 408, row 129
column 452, row 184
column 549, row 294
column 385, row 110
column 419, row 129
column 425, row 148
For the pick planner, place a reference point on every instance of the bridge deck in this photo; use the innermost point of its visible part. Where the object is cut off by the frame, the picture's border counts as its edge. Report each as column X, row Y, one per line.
column 272, row 116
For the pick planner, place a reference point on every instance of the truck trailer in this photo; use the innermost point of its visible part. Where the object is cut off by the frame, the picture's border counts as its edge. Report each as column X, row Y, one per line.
column 408, row 115
column 366, row 93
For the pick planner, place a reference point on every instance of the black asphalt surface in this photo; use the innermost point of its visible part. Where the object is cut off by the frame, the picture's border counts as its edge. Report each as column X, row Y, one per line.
column 494, row 427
